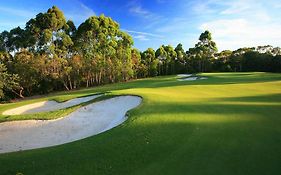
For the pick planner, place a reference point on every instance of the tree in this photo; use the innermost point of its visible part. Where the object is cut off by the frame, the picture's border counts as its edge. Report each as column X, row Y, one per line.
column 150, row 62
column 276, row 64
column 136, row 62
column 221, row 62
column 4, row 37
column 17, row 40
column 236, row 59
column 76, row 63
column 50, row 34
column 166, row 56
column 105, row 49
column 8, row 82
column 203, row 52
column 180, row 62
column 124, row 47
column 276, row 51
column 161, row 55
column 25, row 67
column 170, row 59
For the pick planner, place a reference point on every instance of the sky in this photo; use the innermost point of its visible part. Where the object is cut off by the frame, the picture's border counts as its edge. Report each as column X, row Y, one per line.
column 233, row 23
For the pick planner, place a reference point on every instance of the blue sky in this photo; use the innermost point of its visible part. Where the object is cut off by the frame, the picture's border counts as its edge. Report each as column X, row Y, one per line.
column 233, row 23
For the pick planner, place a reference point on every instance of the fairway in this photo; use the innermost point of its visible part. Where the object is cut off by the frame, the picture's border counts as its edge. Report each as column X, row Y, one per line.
column 228, row 124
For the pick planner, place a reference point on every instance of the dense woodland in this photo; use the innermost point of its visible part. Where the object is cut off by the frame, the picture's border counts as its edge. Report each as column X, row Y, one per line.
column 51, row 54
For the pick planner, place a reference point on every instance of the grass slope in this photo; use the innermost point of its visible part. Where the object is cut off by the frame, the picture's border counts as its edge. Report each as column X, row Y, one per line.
column 227, row 124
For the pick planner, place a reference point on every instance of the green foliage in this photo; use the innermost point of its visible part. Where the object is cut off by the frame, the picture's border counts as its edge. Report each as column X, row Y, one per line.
column 106, row 51
column 148, row 58
column 203, row 53
column 136, row 62
column 262, row 58
column 180, row 62
column 8, row 82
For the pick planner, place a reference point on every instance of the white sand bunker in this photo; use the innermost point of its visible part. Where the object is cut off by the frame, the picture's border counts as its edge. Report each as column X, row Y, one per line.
column 84, row 122
column 184, row 75
column 47, row 106
column 189, row 77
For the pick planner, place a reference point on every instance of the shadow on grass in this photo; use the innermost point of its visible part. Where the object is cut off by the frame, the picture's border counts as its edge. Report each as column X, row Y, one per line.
column 260, row 98
column 213, row 109
column 261, row 105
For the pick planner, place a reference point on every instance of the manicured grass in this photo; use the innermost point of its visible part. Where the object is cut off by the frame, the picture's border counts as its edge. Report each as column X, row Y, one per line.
column 227, row 124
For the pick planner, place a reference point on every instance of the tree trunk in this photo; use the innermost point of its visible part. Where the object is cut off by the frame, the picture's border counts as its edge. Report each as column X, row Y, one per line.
column 65, row 85
column 70, row 83
column 100, row 75
column 20, row 93
column 74, row 84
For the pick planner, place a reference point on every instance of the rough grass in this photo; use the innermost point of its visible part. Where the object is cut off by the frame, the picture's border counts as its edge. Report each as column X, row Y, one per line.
column 227, row 124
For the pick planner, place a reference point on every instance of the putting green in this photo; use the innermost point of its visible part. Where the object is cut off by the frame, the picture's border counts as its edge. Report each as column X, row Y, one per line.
column 227, row 124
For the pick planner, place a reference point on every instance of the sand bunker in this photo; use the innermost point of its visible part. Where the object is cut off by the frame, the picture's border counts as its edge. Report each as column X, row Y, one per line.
column 189, row 77
column 184, row 75
column 192, row 78
column 84, row 122
column 47, row 106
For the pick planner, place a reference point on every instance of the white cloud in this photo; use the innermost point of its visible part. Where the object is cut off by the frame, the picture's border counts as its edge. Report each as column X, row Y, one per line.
column 79, row 12
column 149, row 18
column 87, row 10
column 247, row 9
column 240, row 23
column 136, row 9
column 141, row 37
column 235, row 7
column 144, row 33
column 202, row 7
column 236, row 33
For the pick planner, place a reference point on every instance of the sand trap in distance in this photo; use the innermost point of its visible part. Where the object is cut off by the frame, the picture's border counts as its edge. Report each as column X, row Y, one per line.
column 184, row 75
column 190, row 78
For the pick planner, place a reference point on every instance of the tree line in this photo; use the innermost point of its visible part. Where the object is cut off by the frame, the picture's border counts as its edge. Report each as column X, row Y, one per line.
column 51, row 54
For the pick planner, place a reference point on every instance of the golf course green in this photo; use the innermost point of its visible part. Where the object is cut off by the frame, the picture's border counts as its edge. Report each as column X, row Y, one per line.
column 227, row 124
